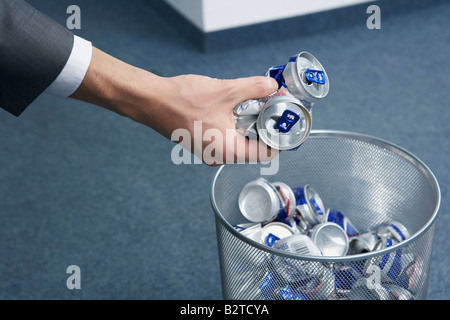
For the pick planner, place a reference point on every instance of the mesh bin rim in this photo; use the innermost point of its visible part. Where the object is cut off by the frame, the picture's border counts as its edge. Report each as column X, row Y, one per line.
column 355, row 136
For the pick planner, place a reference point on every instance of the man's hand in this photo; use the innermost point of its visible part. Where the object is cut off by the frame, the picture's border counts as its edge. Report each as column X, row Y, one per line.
column 167, row 104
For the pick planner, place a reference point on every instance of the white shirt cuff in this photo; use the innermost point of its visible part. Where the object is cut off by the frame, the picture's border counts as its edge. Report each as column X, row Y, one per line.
column 74, row 71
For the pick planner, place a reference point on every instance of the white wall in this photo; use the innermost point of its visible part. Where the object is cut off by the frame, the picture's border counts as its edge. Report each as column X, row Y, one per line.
column 216, row 15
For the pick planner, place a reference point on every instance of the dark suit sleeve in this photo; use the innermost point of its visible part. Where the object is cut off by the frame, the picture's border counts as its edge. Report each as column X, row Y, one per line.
column 33, row 51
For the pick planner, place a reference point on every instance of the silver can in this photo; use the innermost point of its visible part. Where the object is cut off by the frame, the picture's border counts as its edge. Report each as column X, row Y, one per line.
column 253, row 232
column 413, row 274
column 284, row 123
column 394, row 230
column 330, row 238
column 288, row 200
column 306, row 78
column 259, row 201
column 262, row 201
column 399, row 293
column 309, row 205
column 249, row 108
column 389, row 265
column 299, row 244
column 273, row 232
column 246, row 126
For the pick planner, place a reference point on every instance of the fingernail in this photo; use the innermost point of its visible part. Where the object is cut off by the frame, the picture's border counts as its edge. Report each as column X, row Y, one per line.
column 272, row 84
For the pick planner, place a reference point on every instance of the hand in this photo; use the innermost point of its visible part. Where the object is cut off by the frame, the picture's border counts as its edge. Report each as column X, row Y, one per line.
column 183, row 102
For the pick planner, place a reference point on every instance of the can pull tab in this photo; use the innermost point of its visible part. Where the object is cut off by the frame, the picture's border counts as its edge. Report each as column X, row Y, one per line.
column 287, row 121
column 316, row 76
column 271, row 239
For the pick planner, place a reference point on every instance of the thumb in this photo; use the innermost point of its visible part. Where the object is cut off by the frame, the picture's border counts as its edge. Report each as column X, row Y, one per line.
column 255, row 88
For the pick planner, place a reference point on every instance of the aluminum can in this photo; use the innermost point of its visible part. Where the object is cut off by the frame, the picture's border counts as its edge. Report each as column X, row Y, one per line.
column 412, row 275
column 299, row 244
column 309, row 205
column 321, row 286
column 306, row 78
column 259, row 201
column 330, row 238
column 394, row 230
column 284, row 123
column 389, row 264
column 288, row 200
column 249, row 108
column 338, row 218
column 246, row 126
column 273, row 232
column 399, row 293
column 288, row 293
column 253, row 232
column 346, row 276
column 262, row 201
column 363, row 243
column 243, row 226
column 269, row 285
column 292, row 224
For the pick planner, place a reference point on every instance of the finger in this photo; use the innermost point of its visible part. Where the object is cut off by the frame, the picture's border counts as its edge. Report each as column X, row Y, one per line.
column 253, row 88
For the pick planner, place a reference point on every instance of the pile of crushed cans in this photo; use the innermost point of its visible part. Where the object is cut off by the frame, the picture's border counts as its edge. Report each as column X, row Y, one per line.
column 296, row 221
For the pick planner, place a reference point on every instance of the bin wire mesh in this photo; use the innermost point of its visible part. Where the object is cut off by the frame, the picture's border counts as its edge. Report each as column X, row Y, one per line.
column 369, row 180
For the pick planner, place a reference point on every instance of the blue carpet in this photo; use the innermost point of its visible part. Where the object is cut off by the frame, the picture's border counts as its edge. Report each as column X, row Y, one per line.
column 81, row 185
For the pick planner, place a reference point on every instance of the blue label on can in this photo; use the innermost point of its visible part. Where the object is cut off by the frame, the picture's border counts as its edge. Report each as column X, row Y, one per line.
column 316, row 206
column 277, row 74
column 293, row 58
column 299, row 196
column 398, row 231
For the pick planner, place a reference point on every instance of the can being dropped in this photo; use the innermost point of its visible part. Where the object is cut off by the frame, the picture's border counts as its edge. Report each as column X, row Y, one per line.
column 394, row 230
column 284, row 119
column 306, row 78
column 284, row 123
column 309, row 205
column 273, row 232
column 299, row 244
column 337, row 217
column 330, row 238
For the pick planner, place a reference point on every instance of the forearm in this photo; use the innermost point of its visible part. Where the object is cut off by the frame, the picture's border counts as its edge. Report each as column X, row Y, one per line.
column 168, row 104
column 118, row 86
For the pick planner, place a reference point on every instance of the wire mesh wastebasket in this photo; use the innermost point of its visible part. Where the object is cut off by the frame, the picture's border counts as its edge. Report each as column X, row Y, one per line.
column 370, row 180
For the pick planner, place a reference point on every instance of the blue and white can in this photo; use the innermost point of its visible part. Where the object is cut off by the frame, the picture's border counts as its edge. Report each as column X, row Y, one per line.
column 306, row 78
column 338, row 218
column 273, row 232
column 389, row 264
column 309, row 205
column 394, row 230
column 261, row 201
